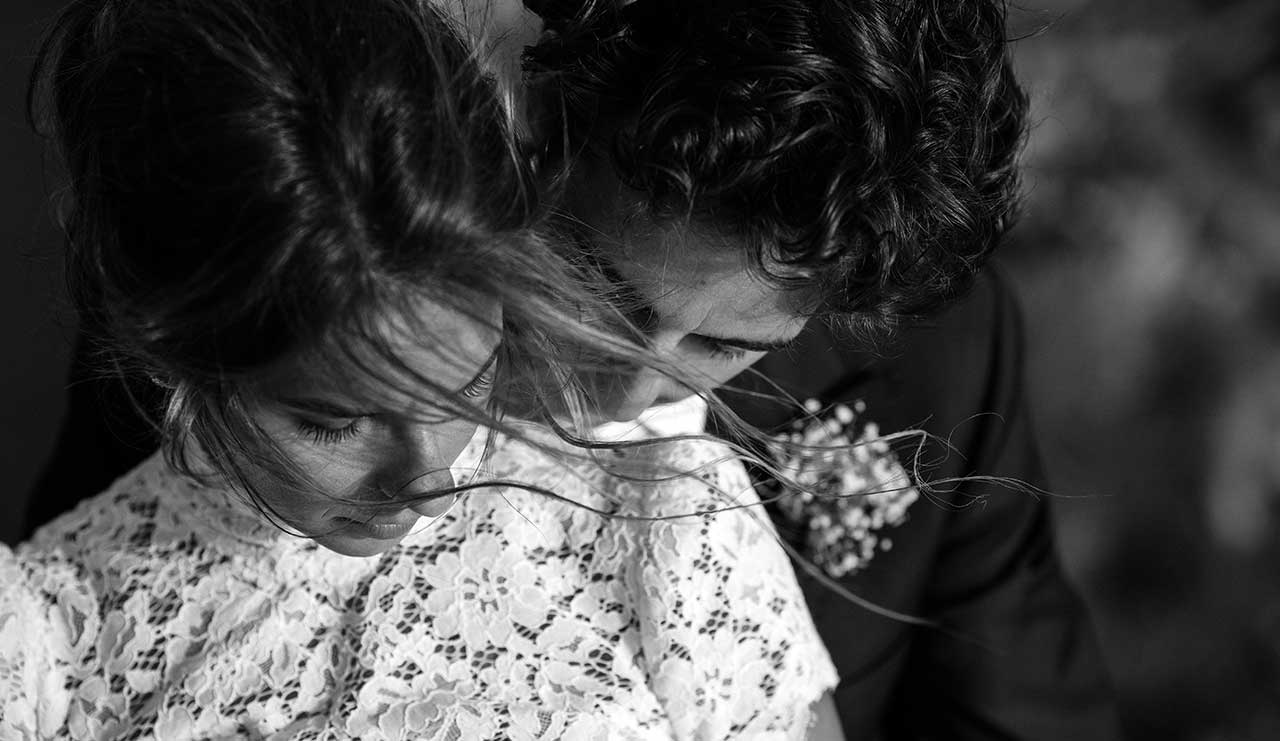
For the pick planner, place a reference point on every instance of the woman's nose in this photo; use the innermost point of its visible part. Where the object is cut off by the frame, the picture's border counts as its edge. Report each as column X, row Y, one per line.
column 433, row 482
column 418, row 467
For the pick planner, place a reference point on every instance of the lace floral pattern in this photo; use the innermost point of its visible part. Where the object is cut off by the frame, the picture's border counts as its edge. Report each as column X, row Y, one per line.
column 165, row 609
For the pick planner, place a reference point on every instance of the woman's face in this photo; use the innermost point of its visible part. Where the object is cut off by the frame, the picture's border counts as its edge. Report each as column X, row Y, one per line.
column 369, row 446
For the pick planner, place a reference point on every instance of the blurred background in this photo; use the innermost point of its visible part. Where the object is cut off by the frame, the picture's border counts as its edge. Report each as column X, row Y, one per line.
column 1149, row 265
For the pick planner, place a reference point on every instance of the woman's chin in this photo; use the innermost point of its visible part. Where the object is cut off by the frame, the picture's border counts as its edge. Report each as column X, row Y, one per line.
column 367, row 538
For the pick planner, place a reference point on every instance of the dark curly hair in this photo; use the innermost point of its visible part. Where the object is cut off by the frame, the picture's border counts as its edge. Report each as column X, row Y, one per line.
column 869, row 146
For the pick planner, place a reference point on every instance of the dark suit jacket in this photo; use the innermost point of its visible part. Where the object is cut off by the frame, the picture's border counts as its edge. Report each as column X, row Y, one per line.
column 1018, row 658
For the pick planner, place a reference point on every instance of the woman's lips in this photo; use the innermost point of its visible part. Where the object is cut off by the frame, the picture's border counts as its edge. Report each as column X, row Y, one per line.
column 381, row 529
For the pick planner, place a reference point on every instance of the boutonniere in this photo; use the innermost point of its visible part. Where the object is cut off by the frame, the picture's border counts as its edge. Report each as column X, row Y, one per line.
column 850, row 487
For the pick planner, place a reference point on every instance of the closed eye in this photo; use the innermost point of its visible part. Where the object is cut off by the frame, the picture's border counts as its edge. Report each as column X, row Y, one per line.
column 720, row 350
column 736, row 349
column 329, row 435
column 480, row 385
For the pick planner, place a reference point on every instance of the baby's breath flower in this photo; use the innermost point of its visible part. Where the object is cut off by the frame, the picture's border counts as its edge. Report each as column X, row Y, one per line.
column 850, row 487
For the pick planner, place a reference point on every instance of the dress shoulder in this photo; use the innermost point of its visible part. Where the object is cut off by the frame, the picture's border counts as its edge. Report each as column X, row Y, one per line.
column 703, row 594
column 732, row 648
column 54, row 592
column 49, row 620
column 85, row 605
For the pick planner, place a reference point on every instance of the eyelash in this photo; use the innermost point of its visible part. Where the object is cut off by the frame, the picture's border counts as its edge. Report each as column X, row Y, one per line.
column 329, row 435
column 482, row 384
column 323, row 435
column 723, row 352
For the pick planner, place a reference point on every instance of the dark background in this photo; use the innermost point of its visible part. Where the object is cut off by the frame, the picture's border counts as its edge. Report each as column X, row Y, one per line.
column 1149, row 265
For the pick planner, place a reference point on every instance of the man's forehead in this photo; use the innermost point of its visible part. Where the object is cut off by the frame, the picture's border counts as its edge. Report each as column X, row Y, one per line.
column 672, row 264
column 686, row 284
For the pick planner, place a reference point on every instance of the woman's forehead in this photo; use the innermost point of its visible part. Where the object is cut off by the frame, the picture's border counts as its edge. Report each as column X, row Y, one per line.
column 395, row 357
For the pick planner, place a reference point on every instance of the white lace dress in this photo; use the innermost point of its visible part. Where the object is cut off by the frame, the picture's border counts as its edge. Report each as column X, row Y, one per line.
column 164, row 609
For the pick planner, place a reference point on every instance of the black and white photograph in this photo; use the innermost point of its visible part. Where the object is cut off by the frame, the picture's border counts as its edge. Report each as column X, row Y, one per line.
column 687, row 370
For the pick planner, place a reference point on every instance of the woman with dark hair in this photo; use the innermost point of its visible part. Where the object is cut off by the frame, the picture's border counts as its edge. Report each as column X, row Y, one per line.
column 304, row 232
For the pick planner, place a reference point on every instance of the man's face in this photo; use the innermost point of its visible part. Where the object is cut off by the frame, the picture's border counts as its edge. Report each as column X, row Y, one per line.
column 698, row 298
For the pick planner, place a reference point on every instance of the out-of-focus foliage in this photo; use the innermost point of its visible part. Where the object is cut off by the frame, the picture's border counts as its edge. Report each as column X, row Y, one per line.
column 1149, row 263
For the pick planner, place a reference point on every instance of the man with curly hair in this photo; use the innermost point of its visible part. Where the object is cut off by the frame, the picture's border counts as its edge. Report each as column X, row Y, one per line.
column 804, row 185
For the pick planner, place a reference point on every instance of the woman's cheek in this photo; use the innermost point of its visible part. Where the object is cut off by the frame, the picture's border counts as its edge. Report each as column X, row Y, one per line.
column 334, row 474
column 329, row 478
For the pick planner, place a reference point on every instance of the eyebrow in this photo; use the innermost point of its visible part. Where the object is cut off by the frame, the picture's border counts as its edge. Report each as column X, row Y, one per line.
column 326, row 408
column 323, row 408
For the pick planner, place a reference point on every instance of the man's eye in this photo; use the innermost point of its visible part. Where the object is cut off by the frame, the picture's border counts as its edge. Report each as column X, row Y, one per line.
column 327, row 435
column 728, row 354
column 725, row 352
